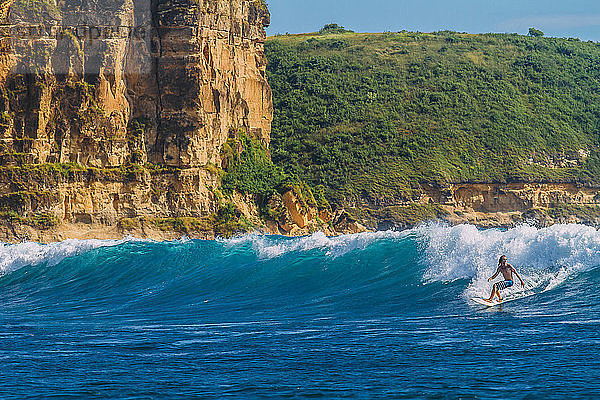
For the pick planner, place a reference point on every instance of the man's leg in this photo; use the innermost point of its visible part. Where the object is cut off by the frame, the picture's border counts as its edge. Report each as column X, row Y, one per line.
column 494, row 291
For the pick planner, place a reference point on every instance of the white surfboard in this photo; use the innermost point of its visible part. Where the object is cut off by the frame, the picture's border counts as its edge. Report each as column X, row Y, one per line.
column 485, row 302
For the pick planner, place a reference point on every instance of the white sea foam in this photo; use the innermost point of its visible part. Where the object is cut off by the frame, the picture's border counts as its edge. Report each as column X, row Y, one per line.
column 268, row 247
column 15, row 256
column 545, row 257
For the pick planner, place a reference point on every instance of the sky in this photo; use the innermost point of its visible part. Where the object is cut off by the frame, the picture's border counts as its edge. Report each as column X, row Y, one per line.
column 564, row 18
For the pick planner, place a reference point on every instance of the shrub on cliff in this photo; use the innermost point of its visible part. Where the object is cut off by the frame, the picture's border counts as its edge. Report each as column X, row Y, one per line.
column 262, row 5
column 251, row 171
column 535, row 32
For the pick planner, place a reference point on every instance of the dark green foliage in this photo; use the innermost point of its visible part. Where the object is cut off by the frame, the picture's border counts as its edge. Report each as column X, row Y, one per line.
column 136, row 131
column 333, row 28
column 251, row 171
column 372, row 117
column 586, row 213
column 229, row 221
column 35, row 10
column 403, row 216
column 176, row 224
column 535, row 32
column 320, row 198
column 226, row 222
column 228, row 213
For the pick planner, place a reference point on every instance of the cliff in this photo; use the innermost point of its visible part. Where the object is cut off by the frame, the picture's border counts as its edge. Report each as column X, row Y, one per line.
column 491, row 205
column 115, row 112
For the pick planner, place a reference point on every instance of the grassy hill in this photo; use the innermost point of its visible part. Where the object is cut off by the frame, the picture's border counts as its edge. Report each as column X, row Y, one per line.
column 370, row 116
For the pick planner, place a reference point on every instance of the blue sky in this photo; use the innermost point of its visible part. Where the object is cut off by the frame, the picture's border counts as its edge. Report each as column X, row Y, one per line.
column 565, row 18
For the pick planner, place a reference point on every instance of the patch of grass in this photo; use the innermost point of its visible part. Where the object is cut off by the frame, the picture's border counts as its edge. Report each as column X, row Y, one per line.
column 38, row 220
column 587, row 213
column 227, row 222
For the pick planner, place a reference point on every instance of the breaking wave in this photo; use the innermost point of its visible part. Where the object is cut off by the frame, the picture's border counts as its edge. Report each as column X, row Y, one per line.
column 367, row 271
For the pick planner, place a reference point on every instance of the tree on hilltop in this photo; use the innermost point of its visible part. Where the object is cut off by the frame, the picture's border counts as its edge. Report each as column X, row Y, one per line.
column 535, row 32
column 333, row 28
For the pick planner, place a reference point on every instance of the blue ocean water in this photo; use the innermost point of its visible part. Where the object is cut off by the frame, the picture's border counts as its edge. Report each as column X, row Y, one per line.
column 372, row 315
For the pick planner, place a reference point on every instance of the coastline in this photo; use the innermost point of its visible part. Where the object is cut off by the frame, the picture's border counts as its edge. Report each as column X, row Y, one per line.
column 17, row 233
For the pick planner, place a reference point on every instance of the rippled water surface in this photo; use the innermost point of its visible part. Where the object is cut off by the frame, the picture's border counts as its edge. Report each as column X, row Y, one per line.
column 374, row 315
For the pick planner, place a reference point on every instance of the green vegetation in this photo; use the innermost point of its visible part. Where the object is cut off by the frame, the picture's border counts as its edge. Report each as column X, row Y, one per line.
column 261, row 5
column 19, row 201
column 226, row 222
column 535, row 32
column 406, row 215
column 129, row 224
column 250, row 170
column 136, row 131
column 333, row 28
column 35, row 10
column 586, row 213
column 371, row 116
column 39, row 220
column 24, row 174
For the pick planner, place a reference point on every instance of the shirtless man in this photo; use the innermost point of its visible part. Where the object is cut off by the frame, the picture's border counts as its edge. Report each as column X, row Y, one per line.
column 507, row 271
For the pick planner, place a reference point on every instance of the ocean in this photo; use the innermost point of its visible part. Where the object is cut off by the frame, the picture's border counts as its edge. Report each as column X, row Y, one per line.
column 370, row 315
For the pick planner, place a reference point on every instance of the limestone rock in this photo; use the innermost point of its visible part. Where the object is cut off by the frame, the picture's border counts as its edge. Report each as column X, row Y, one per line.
column 344, row 223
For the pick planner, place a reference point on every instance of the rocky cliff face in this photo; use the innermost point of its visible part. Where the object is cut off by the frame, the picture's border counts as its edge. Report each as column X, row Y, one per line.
column 508, row 204
column 106, row 82
column 118, row 109
column 495, row 205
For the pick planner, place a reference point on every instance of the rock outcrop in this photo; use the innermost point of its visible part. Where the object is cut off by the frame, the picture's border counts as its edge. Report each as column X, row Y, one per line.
column 495, row 205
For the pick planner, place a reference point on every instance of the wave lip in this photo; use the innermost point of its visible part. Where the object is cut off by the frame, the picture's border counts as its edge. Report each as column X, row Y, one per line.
column 272, row 246
column 16, row 256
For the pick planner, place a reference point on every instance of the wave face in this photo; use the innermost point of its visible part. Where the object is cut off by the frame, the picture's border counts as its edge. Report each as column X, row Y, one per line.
column 385, row 314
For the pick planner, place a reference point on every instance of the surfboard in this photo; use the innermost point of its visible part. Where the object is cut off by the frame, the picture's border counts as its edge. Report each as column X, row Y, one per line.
column 486, row 303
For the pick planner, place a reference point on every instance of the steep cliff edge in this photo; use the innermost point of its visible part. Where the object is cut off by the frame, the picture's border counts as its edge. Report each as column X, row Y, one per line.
column 113, row 113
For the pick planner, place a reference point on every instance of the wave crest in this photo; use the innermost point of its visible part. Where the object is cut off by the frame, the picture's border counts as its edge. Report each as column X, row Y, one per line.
column 16, row 256
column 545, row 257
column 272, row 246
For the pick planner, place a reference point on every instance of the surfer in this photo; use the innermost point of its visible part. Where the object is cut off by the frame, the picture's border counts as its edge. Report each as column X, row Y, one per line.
column 507, row 271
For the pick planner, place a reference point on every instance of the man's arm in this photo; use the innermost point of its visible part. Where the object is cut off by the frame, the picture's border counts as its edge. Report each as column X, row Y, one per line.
column 518, row 276
column 495, row 275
